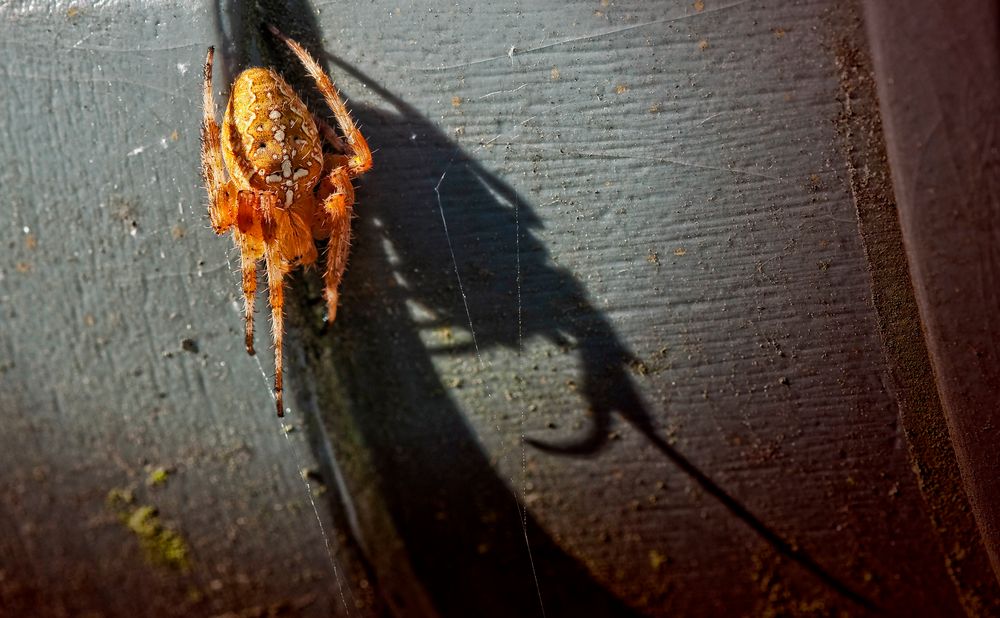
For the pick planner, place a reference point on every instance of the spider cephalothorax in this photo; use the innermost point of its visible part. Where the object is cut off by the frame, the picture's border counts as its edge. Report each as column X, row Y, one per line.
column 282, row 192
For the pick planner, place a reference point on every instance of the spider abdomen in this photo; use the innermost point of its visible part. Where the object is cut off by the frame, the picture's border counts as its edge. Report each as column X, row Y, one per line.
column 273, row 145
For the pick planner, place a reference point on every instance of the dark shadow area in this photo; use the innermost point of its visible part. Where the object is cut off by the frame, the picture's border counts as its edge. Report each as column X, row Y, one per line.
column 459, row 521
column 479, row 209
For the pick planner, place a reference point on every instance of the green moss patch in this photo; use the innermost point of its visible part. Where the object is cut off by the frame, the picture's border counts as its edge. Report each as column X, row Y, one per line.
column 162, row 545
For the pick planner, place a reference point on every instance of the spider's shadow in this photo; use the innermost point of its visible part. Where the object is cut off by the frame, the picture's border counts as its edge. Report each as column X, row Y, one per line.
column 382, row 346
column 458, row 520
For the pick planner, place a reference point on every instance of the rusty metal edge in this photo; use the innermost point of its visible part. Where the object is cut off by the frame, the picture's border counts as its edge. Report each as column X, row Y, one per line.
column 911, row 375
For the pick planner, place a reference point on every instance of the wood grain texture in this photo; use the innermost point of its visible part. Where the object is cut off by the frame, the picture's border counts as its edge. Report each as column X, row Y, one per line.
column 607, row 262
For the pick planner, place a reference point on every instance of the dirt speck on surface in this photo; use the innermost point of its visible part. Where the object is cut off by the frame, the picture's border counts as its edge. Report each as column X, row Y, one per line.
column 639, row 367
column 125, row 211
column 656, row 559
column 779, row 597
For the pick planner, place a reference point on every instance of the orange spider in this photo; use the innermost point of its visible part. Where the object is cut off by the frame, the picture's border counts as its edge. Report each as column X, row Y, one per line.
column 283, row 191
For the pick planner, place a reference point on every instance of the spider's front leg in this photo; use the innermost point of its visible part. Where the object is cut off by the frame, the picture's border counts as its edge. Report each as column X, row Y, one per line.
column 228, row 207
column 250, row 239
column 360, row 155
column 221, row 202
column 277, row 267
column 337, row 195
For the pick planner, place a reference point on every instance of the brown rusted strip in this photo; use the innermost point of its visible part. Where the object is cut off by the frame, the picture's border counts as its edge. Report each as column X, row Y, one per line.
column 911, row 375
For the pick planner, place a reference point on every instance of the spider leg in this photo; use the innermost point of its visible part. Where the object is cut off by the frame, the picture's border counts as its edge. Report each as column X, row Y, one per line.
column 276, row 269
column 249, row 238
column 360, row 154
column 330, row 135
column 221, row 206
column 293, row 230
column 338, row 205
column 249, row 267
column 277, row 266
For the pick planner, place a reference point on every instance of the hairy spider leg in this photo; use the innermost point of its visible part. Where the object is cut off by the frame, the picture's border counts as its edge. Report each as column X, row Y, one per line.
column 228, row 207
column 276, row 269
column 337, row 194
column 361, row 159
column 268, row 206
column 221, row 208
column 330, row 135
column 248, row 235
column 249, row 270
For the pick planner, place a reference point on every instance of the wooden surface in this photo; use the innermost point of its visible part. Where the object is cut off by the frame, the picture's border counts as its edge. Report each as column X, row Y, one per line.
column 607, row 270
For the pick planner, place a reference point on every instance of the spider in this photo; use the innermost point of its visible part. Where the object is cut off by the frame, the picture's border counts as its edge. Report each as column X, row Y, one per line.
column 283, row 192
